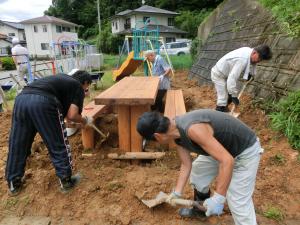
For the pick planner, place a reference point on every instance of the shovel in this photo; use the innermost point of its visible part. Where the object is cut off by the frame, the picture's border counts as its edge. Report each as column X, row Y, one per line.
column 162, row 198
column 236, row 114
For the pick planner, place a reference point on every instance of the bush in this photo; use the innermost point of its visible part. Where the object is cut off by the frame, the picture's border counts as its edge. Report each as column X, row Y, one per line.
column 286, row 118
column 196, row 45
column 287, row 12
column 8, row 63
column 108, row 42
column 190, row 21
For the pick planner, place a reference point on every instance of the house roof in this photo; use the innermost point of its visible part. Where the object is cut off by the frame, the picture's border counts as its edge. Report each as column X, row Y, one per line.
column 48, row 19
column 146, row 9
column 161, row 28
column 15, row 25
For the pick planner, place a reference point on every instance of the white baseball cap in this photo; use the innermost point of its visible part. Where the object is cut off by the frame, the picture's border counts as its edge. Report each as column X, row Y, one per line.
column 15, row 41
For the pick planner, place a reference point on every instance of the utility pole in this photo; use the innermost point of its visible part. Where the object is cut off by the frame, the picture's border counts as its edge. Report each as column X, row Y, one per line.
column 99, row 23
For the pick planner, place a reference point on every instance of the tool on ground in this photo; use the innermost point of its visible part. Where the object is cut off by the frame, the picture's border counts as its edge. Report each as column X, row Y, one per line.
column 3, row 98
column 104, row 136
column 235, row 114
column 162, row 198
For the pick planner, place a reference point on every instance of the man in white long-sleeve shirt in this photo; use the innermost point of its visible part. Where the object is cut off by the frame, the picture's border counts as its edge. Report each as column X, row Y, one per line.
column 228, row 69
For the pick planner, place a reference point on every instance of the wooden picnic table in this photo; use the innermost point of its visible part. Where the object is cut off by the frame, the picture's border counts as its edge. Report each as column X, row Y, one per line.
column 132, row 96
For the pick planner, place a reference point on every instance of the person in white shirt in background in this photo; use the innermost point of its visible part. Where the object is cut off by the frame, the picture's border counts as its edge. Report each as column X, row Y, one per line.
column 227, row 71
column 161, row 69
column 20, row 56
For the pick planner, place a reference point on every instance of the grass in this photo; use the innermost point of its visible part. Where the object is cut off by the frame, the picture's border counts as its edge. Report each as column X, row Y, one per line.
column 278, row 159
column 287, row 12
column 181, row 62
column 274, row 213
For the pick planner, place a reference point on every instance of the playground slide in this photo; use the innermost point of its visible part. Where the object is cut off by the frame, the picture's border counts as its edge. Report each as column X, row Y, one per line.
column 128, row 67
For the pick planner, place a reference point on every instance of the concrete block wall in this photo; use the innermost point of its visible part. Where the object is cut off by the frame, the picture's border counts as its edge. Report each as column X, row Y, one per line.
column 238, row 23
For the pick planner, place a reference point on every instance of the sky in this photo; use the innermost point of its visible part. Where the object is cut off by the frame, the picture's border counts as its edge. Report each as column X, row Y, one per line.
column 18, row 10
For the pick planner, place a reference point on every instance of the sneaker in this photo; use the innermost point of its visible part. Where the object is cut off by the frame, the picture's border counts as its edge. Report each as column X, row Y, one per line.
column 67, row 184
column 15, row 186
column 191, row 213
column 195, row 212
column 222, row 108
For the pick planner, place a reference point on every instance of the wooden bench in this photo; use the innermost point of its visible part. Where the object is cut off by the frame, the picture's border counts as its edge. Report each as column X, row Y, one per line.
column 88, row 133
column 174, row 106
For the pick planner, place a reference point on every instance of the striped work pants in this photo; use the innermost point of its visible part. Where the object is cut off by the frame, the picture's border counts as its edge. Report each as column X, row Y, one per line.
column 36, row 113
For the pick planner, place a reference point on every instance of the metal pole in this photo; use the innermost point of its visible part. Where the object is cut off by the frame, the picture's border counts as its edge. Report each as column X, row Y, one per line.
column 99, row 23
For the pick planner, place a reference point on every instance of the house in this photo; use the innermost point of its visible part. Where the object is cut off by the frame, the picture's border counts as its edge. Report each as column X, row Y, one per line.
column 42, row 31
column 124, row 22
column 5, row 44
column 9, row 30
column 13, row 29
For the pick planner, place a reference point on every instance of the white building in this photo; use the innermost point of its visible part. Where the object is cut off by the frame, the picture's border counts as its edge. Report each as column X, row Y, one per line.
column 42, row 31
column 9, row 30
column 125, row 21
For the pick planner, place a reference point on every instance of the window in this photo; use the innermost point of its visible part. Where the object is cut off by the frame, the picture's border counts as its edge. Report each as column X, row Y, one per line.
column 44, row 46
column 113, row 24
column 68, row 29
column 35, row 28
column 44, row 28
column 170, row 39
column 146, row 18
column 127, row 24
column 11, row 34
column 116, row 25
column 58, row 29
column 171, row 22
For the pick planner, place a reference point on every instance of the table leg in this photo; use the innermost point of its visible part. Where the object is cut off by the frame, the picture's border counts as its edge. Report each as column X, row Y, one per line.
column 87, row 136
column 136, row 139
column 124, row 127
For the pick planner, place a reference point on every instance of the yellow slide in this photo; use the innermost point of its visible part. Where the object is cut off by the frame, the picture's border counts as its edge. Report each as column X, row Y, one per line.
column 128, row 67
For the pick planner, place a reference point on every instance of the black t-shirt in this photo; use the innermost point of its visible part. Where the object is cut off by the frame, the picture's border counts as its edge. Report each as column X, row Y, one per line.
column 62, row 88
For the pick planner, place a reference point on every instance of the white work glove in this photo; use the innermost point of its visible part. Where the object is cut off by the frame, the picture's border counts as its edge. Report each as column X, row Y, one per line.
column 214, row 205
column 173, row 195
column 88, row 120
column 161, row 77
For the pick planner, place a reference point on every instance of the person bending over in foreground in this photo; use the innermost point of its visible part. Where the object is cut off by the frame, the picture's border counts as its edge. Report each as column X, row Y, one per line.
column 41, row 107
column 228, row 150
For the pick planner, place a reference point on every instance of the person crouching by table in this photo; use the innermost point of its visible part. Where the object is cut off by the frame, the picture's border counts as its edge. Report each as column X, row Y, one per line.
column 161, row 69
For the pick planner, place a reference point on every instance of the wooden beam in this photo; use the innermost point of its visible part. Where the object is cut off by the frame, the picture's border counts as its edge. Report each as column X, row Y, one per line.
column 137, row 155
column 124, row 127
column 87, row 135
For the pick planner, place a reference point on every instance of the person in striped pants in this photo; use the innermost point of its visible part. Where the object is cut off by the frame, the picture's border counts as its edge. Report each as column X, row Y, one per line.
column 41, row 107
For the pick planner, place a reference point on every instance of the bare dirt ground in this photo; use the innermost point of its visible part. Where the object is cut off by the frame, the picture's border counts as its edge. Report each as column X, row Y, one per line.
column 107, row 193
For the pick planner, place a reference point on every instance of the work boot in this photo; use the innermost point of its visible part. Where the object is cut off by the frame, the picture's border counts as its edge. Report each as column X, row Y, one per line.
column 194, row 212
column 67, row 184
column 15, row 186
column 222, row 108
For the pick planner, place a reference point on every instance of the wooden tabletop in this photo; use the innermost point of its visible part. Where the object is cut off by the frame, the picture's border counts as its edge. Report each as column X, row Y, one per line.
column 130, row 91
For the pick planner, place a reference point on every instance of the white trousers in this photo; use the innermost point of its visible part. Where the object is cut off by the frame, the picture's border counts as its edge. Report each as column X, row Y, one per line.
column 239, row 193
column 220, row 83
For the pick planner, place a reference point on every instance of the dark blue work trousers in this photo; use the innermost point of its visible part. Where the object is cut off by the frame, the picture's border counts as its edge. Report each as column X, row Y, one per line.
column 36, row 113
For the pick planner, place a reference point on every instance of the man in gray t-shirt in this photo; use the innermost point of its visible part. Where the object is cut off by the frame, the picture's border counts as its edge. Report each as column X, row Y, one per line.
column 161, row 69
column 228, row 151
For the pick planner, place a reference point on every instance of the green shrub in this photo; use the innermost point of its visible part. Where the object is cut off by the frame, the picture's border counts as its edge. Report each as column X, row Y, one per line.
column 8, row 63
column 286, row 118
column 274, row 213
column 196, row 45
column 287, row 12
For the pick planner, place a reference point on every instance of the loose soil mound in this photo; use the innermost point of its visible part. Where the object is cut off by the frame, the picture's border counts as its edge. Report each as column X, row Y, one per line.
column 110, row 189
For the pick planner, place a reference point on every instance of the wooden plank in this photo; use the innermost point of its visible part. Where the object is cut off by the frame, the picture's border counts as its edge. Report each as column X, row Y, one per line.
column 179, row 103
column 136, row 139
column 130, row 91
column 93, row 110
column 169, row 106
column 137, row 155
column 87, row 136
column 124, row 127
